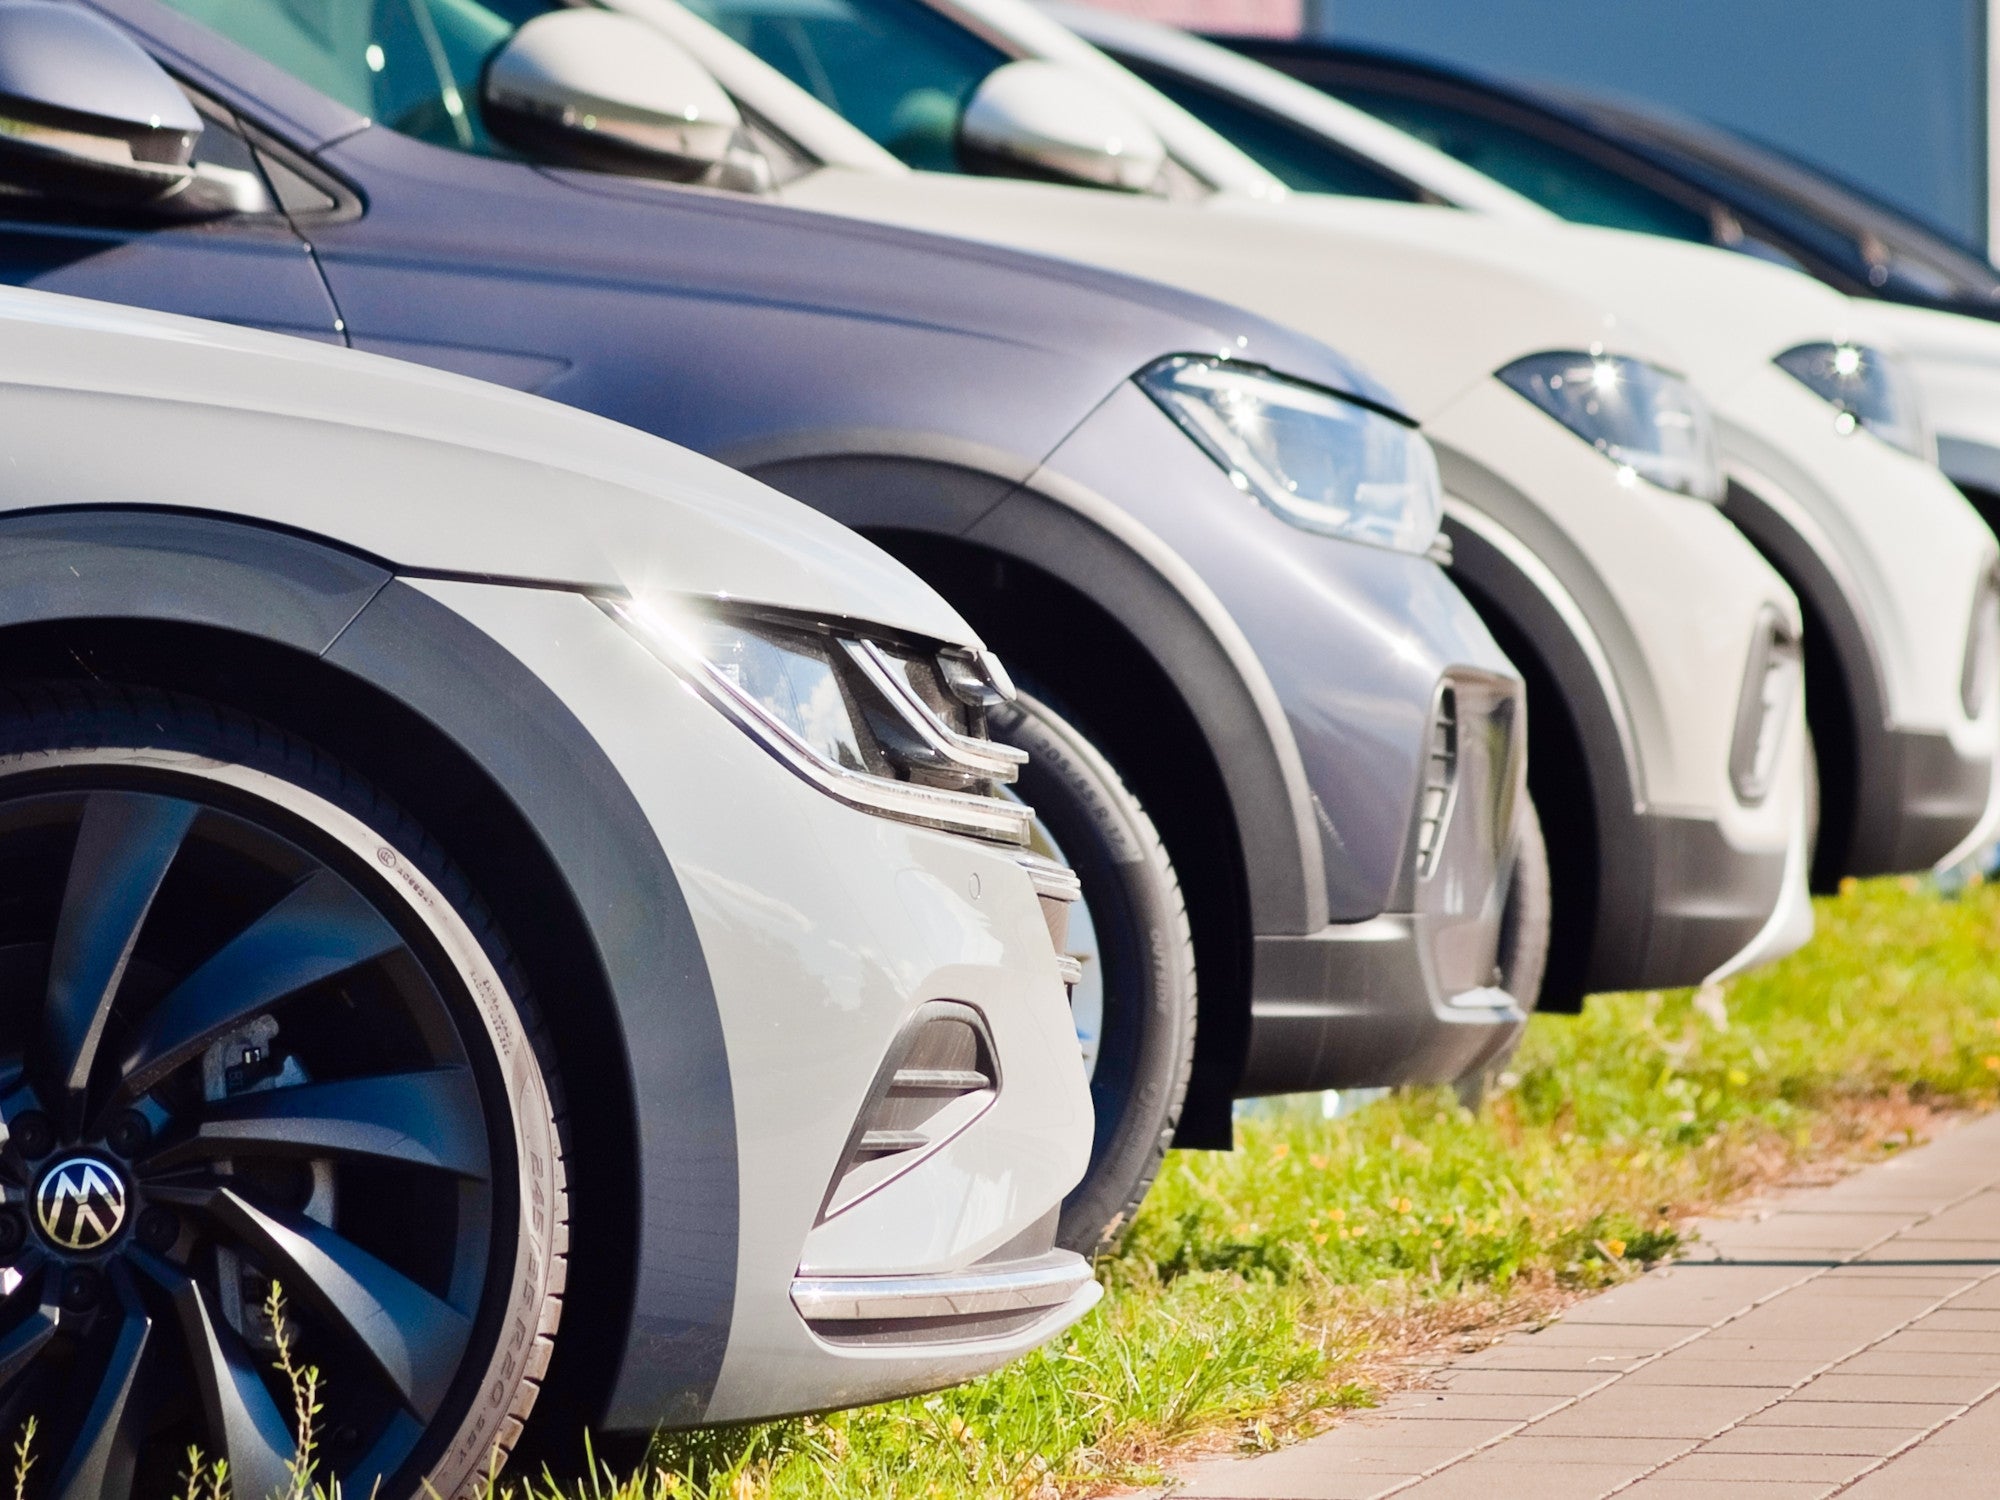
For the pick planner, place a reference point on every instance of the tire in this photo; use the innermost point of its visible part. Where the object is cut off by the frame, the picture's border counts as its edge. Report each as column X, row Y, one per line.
column 1524, row 923
column 1523, row 954
column 1133, row 915
column 281, row 1040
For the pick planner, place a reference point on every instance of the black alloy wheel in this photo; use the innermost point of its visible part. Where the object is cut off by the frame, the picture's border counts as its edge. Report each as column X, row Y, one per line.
column 1135, row 1006
column 254, row 1030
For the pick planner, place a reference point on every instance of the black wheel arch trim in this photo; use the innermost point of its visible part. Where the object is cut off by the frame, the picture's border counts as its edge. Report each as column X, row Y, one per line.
column 1811, row 568
column 145, row 565
column 1498, row 572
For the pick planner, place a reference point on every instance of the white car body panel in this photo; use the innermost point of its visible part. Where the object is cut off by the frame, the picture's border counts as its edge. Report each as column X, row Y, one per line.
column 496, row 463
column 822, row 927
column 1910, row 541
column 828, row 927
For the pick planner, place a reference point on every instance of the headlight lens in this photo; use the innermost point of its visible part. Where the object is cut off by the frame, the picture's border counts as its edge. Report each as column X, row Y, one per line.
column 1639, row 416
column 891, row 727
column 1322, row 462
column 1866, row 388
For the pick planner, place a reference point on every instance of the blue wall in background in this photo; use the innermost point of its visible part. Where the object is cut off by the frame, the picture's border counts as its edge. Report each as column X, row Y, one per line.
column 1891, row 96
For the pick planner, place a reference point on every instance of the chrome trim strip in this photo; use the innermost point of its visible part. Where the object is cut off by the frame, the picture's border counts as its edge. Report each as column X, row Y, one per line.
column 1057, row 882
column 1018, row 1286
column 952, row 812
column 988, row 760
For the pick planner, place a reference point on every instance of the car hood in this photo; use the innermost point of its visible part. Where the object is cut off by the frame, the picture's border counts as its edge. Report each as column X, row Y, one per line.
column 1083, row 318
column 429, row 472
column 1432, row 319
column 1729, row 314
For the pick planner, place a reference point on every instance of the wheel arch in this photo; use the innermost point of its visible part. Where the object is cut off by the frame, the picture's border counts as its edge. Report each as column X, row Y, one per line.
column 330, row 646
column 1846, row 702
column 1599, row 863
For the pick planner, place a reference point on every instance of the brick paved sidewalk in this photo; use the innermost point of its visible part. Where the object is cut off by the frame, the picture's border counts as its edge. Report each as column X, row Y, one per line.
column 1844, row 1341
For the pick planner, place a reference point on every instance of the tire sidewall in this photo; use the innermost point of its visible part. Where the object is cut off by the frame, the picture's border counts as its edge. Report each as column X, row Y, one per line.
column 1141, row 1077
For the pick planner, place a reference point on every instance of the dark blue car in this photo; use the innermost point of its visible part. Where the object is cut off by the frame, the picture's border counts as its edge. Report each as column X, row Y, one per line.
column 1280, row 750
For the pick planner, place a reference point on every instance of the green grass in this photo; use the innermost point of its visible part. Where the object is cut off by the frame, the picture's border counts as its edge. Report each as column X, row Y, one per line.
column 1262, row 1289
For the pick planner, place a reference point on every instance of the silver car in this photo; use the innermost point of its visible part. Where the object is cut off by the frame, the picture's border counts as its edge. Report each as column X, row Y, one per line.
column 390, row 765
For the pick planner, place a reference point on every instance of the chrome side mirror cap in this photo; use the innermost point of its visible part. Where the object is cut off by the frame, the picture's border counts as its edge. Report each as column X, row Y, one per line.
column 1032, row 118
column 85, row 114
column 594, row 89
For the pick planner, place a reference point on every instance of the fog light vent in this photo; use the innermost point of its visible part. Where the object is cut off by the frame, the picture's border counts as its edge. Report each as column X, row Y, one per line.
column 1440, row 780
column 1770, row 689
column 940, row 1076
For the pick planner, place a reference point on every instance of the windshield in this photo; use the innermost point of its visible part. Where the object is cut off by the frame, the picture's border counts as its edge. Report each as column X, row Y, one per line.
column 894, row 68
column 413, row 65
column 1559, row 180
column 1304, row 161
column 1865, row 237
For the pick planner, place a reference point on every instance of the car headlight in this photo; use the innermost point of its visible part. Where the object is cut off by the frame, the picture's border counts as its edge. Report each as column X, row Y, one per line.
column 1644, row 419
column 1866, row 388
column 1322, row 462
column 889, row 726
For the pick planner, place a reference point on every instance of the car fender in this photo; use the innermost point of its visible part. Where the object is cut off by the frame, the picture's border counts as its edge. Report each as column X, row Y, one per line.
column 300, row 592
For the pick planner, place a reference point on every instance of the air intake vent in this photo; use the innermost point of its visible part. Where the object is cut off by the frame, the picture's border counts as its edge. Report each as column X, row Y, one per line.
column 1440, row 780
column 1772, row 681
column 940, row 1076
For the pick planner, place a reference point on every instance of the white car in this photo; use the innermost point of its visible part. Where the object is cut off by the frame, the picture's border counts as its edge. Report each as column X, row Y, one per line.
column 1668, row 764
column 1828, row 406
column 388, row 761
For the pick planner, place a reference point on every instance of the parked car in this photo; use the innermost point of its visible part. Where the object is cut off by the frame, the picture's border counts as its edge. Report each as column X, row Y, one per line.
column 1627, row 165
column 1904, row 737
column 1664, row 869
column 1240, row 632
column 1611, row 162
column 459, row 855
column 1805, row 381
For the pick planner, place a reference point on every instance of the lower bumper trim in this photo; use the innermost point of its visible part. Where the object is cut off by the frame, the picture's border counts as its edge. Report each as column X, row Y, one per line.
column 1007, row 1287
column 1357, row 1006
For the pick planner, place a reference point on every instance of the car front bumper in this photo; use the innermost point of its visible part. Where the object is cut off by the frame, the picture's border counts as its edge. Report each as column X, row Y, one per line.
column 825, row 932
column 1385, row 975
column 1410, row 996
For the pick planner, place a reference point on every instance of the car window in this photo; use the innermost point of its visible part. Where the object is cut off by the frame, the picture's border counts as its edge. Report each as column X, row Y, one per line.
column 412, row 65
column 895, row 69
column 1561, row 181
column 1298, row 158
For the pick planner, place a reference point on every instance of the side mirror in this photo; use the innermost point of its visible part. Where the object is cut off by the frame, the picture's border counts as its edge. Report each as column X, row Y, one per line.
column 85, row 114
column 1032, row 118
column 593, row 89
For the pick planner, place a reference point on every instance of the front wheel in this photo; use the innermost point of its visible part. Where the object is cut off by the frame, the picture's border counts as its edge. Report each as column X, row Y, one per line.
column 258, row 1034
column 1524, row 940
column 1135, row 1004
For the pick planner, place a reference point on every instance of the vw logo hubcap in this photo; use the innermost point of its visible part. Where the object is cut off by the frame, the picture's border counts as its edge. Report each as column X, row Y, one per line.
column 80, row 1205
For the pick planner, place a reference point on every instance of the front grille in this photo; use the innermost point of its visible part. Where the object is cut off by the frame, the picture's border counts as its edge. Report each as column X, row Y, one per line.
column 939, row 1076
column 1440, row 781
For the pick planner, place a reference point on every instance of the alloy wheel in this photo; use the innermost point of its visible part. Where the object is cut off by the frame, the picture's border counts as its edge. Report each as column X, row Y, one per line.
column 233, row 1056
